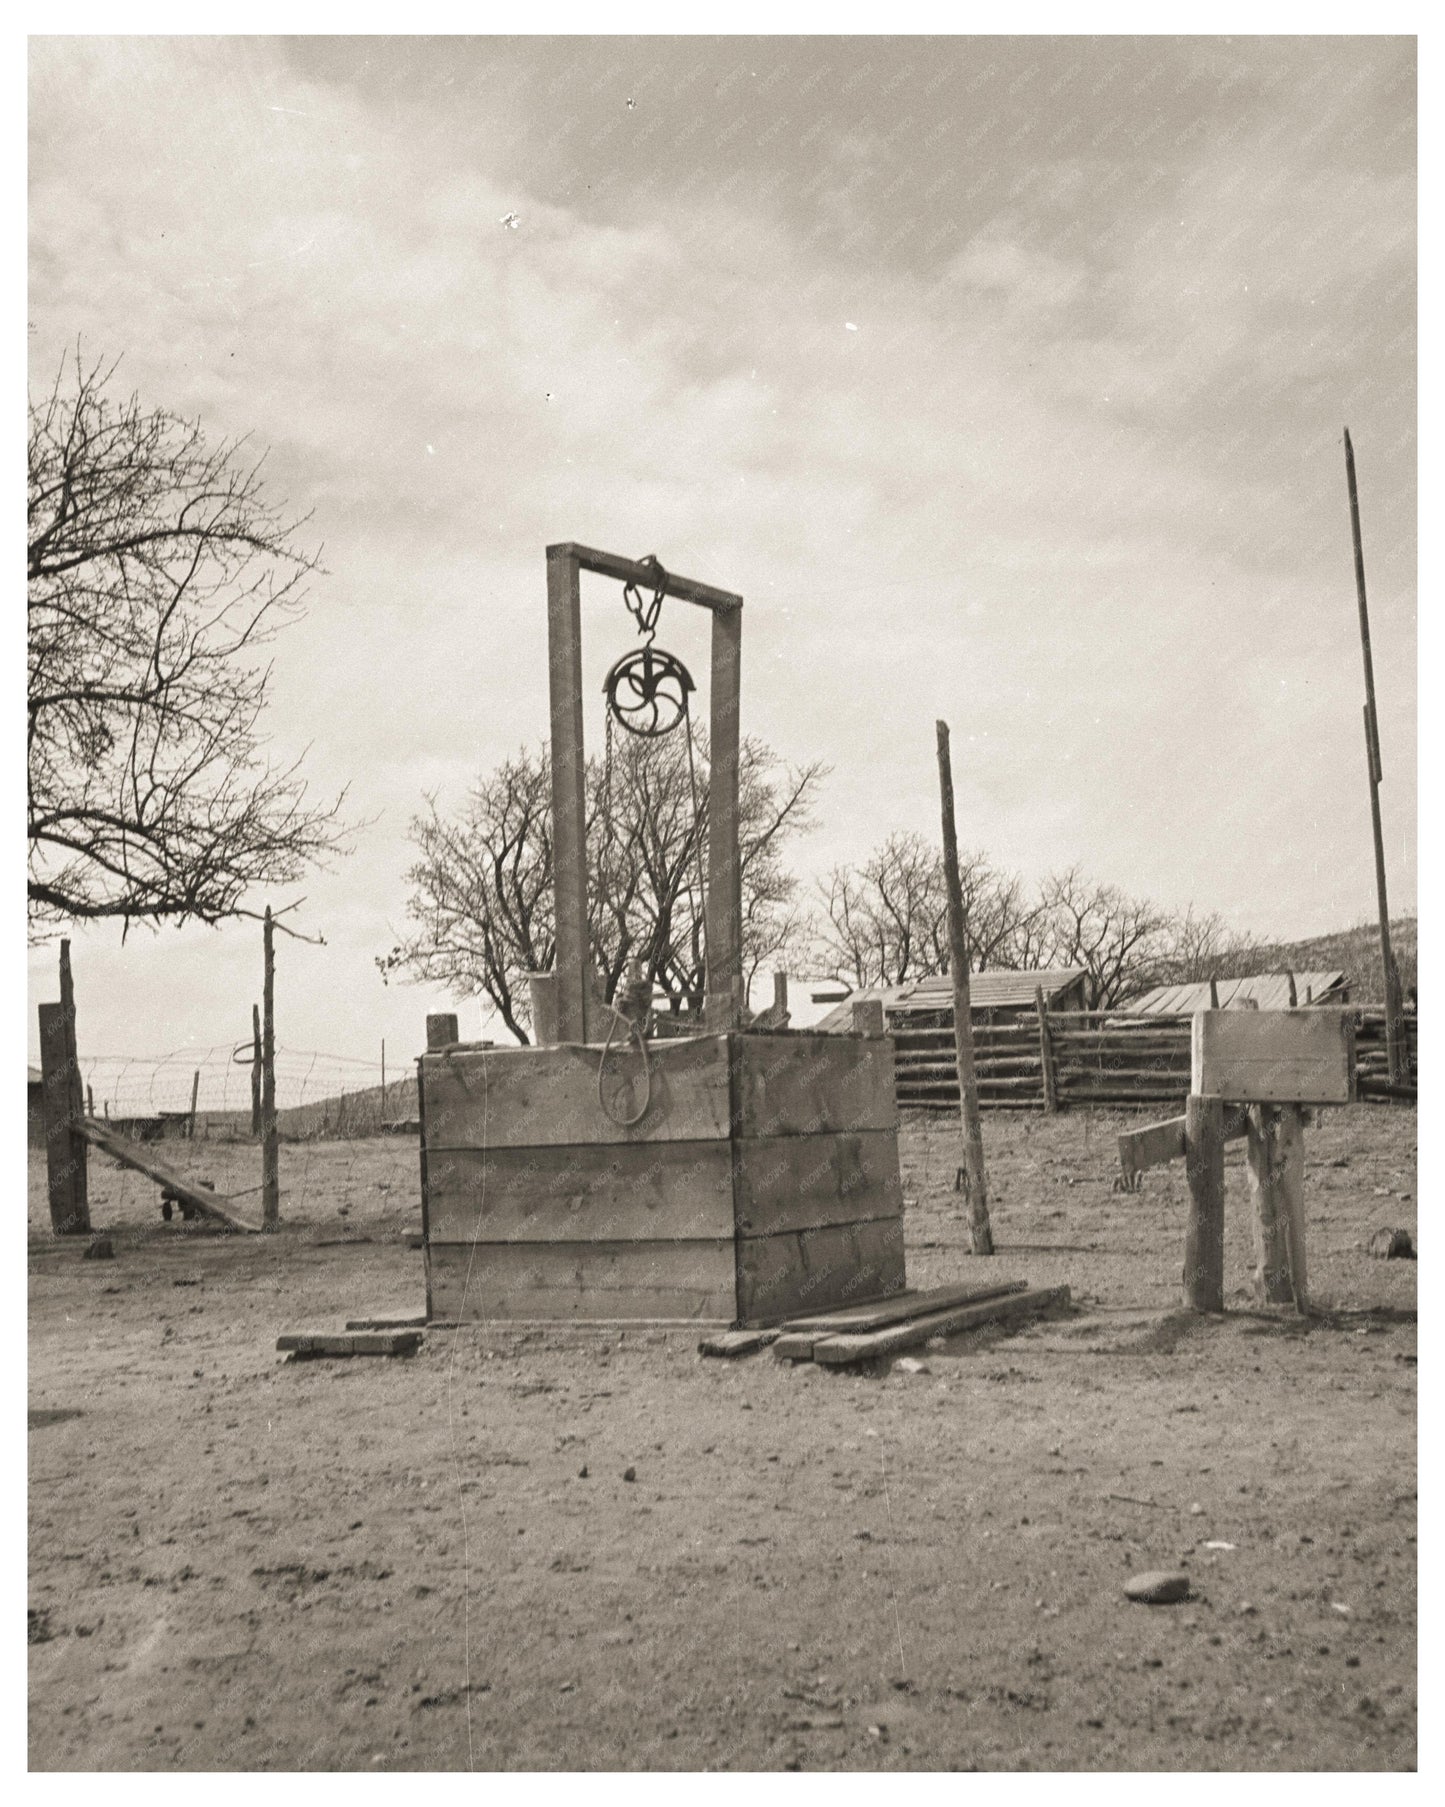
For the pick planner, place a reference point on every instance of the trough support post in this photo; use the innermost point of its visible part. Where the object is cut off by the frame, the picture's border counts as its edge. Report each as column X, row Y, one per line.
column 1204, row 1235
column 1275, row 1155
column 569, row 792
column 979, row 1229
column 65, row 1173
column 270, row 1142
column 1046, row 1052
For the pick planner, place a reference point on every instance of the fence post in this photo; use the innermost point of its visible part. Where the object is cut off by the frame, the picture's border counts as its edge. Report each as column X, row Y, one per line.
column 1275, row 1155
column 255, row 1069
column 270, row 1147
column 979, row 1229
column 75, row 1095
column 195, row 1093
column 1046, row 1052
column 65, row 1177
column 1204, row 1234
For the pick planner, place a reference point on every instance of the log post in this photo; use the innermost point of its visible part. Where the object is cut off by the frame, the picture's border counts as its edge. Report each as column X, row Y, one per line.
column 270, row 1141
column 569, row 793
column 973, row 1171
column 1213, row 994
column 1275, row 1155
column 723, row 915
column 195, row 1093
column 65, row 1177
column 1204, row 1235
column 75, row 1092
column 1046, row 1052
column 255, row 1069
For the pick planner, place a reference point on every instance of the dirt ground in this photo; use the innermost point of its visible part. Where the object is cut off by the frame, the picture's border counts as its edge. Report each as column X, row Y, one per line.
column 240, row 1561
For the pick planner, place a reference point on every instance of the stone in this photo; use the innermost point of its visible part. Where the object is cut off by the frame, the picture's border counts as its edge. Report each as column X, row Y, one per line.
column 1392, row 1245
column 1160, row 1587
column 629, row 1474
column 101, row 1249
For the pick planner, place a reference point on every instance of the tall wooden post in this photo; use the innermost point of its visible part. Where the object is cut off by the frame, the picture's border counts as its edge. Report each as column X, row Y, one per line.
column 65, row 1175
column 979, row 1228
column 724, row 1007
column 1046, row 1052
column 1394, row 1039
column 1204, row 1233
column 80, row 1150
column 569, row 795
column 255, row 1069
column 270, row 1142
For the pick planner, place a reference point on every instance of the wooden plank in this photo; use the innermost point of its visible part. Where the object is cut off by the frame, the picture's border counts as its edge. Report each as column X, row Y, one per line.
column 569, row 846
column 1158, row 1143
column 547, row 1097
column 312, row 1344
column 1204, row 1233
column 582, row 1281
column 805, row 1085
column 724, row 909
column 906, row 1305
column 807, row 1182
column 731, row 1343
column 66, row 1190
column 599, row 1192
column 781, row 1276
column 837, row 1351
column 1274, row 1056
column 630, row 571
column 139, row 1160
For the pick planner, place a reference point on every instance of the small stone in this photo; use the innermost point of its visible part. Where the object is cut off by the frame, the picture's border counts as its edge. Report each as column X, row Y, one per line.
column 1159, row 1587
column 1196, row 1510
column 582, row 1472
column 910, row 1366
column 1392, row 1245
column 101, row 1249
column 629, row 1474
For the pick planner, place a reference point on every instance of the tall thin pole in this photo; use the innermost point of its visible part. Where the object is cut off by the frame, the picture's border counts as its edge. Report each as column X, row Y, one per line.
column 1394, row 1041
column 979, row 1229
column 383, row 1075
column 270, row 1150
column 256, row 1070
column 74, row 1093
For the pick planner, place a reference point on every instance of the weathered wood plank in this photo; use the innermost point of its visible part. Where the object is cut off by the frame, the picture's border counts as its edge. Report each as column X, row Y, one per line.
column 781, row 1276
column 309, row 1343
column 1274, row 1056
column 647, row 1191
column 905, row 1305
column 133, row 1155
column 837, row 1351
column 547, row 1097
column 630, row 571
column 803, row 1085
column 731, row 1343
column 807, row 1182
column 582, row 1282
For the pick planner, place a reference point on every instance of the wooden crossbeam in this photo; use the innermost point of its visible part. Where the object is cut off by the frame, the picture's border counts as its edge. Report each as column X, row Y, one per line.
column 1158, row 1143
column 131, row 1154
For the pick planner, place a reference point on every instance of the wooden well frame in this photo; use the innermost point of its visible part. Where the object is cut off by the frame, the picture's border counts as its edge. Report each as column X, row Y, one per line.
column 763, row 1178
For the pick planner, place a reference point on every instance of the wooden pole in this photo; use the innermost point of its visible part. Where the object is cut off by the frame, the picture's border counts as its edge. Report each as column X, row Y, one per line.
column 383, row 1076
column 65, row 1178
column 974, row 1174
column 79, row 1157
column 270, row 1142
column 1046, row 1052
column 195, row 1093
column 1393, row 1000
column 569, row 805
column 1204, row 1234
column 255, row 1069
column 1293, row 992
column 723, row 1009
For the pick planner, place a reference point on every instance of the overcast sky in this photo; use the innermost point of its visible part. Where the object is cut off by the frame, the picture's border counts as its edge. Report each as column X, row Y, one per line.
column 1004, row 379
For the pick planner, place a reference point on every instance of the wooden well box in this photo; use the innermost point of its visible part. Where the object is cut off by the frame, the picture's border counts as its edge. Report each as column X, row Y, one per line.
column 762, row 1182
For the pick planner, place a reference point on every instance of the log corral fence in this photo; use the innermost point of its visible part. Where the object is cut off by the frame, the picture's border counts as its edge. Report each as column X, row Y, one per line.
column 1054, row 1059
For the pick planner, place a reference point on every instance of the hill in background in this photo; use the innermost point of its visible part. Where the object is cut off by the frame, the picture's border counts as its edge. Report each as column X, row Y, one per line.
column 1355, row 952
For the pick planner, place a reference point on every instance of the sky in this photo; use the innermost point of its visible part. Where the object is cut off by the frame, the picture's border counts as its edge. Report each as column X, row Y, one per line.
column 1004, row 378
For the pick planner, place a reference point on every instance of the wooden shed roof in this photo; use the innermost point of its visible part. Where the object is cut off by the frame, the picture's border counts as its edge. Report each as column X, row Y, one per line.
column 1270, row 991
column 994, row 990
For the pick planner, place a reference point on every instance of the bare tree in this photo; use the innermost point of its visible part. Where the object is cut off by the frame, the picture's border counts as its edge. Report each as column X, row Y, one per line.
column 1116, row 938
column 1194, row 947
column 887, row 920
column 482, row 891
column 157, row 567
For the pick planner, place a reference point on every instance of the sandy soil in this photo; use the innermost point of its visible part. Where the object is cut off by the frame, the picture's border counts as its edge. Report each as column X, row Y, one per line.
column 238, row 1561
